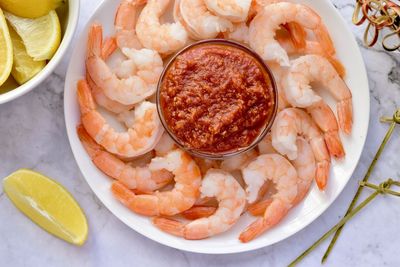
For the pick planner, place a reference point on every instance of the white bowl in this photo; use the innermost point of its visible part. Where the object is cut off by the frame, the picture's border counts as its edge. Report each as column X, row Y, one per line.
column 307, row 211
column 71, row 21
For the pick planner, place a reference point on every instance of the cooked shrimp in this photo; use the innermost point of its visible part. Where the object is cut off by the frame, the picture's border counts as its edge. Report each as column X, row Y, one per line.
column 163, row 38
column 305, row 167
column 311, row 47
column 234, row 10
column 314, row 68
column 199, row 22
column 102, row 100
column 239, row 32
column 231, row 198
column 207, row 164
column 237, row 162
column 139, row 178
column 164, row 146
column 323, row 116
column 271, row 167
column 297, row 33
column 279, row 74
column 291, row 123
column 281, row 172
column 140, row 138
column 125, row 23
column 265, row 146
column 147, row 64
column 182, row 197
column 321, row 113
column 263, row 28
column 197, row 212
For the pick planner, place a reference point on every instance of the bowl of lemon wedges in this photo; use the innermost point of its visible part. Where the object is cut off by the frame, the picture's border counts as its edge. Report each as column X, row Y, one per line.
column 34, row 36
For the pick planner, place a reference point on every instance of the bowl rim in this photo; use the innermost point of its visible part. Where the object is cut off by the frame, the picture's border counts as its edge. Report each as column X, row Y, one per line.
column 72, row 23
column 263, row 130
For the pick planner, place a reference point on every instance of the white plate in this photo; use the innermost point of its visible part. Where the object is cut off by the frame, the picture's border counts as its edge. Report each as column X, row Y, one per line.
column 313, row 206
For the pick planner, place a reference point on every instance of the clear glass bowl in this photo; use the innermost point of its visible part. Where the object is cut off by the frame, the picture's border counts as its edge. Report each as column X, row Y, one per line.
column 230, row 153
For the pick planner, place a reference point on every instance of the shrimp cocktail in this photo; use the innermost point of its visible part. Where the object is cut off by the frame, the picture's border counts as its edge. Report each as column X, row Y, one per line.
column 217, row 98
column 218, row 111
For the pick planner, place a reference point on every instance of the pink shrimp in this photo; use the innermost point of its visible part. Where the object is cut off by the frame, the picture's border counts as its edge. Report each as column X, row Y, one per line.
column 311, row 68
column 139, row 178
column 182, row 197
column 291, row 123
column 281, row 172
column 125, row 23
column 263, row 28
column 140, row 138
column 231, row 198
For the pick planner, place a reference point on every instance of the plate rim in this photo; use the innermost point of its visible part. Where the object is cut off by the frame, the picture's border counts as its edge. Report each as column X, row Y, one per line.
column 230, row 250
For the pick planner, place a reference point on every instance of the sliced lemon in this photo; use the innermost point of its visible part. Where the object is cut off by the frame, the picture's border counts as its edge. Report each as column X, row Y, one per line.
column 24, row 67
column 30, row 8
column 48, row 204
column 41, row 36
column 6, row 50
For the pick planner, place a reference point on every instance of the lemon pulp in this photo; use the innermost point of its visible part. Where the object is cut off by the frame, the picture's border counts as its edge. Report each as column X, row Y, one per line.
column 41, row 36
column 24, row 67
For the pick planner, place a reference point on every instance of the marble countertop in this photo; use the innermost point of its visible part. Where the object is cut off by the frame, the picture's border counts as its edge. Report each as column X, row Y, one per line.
column 32, row 135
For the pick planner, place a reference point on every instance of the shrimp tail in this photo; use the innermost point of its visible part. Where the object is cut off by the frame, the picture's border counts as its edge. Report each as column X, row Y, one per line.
column 345, row 114
column 325, row 39
column 109, row 46
column 322, row 174
column 95, row 40
column 91, row 147
column 198, row 212
column 297, row 34
column 125, row 22
column 272, row 216
column 85, row 98
column 170, row 226
column 253, row 230
column 142, row 204
column 340, row 69
column 258, row 209
column 334, row 144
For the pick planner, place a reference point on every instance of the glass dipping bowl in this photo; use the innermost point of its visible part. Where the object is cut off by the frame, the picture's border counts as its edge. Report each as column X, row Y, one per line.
column 225, row 154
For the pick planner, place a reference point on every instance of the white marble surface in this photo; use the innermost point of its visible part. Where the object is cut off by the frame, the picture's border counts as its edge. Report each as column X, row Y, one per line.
column 32, row 135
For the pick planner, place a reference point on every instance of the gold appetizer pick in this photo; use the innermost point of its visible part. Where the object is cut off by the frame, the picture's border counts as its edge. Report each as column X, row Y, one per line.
column 394, row 120
column 383, row 188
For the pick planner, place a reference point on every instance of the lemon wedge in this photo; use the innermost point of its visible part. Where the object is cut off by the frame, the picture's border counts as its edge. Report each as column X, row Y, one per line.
column 24, row 67
column 41, row 36
column 48, row 204
column 30, row 8
column 6, row 50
